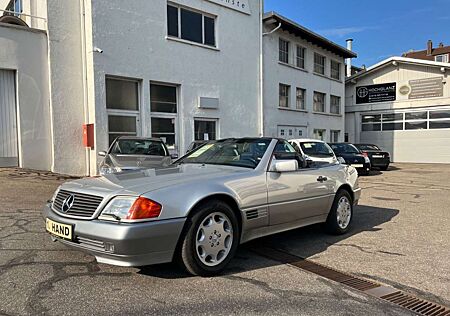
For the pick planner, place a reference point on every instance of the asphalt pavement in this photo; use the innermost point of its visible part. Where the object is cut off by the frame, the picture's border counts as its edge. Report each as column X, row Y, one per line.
column 400, row 237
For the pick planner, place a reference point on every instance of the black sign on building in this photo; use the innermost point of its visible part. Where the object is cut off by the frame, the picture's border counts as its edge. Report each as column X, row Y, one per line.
column 384, row 92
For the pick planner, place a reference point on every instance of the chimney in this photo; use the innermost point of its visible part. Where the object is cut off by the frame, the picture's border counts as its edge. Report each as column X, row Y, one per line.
column 441, row 45
column 348, row 61
column 429, row 47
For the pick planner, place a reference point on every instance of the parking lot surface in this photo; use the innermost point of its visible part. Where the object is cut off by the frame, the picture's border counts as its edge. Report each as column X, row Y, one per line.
column 400, row 237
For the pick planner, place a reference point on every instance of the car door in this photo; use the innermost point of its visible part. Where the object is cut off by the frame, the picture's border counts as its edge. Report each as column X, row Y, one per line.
column 298, row 195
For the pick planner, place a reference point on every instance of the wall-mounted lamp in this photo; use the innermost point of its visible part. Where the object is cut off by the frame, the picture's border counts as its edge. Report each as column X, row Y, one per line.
column 98, row 50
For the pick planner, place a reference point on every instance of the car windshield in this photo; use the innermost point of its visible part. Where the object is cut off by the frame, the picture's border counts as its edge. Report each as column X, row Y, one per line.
column 316, row 149
column 368, row 147
column 230, row 152
column 139, row 147
column 345, row 149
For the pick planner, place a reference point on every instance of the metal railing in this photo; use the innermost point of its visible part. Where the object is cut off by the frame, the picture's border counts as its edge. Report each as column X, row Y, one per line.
column 31, row 20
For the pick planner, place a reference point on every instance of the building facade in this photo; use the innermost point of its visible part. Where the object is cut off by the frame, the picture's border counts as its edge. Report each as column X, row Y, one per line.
column 403, row 105
column 180, row 70
column 303, row 81
column 439, row 54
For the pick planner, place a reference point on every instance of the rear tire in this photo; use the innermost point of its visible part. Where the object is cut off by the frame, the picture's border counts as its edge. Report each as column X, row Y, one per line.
column 341, row 214
column 384, row 168
column 210, row 240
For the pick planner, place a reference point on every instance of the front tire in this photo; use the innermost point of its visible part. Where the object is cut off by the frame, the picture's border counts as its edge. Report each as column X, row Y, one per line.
column 210, row 240
column 341, row 214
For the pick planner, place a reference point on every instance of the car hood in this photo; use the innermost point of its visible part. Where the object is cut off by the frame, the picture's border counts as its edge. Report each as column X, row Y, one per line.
column 146, row 180
column 138, row 161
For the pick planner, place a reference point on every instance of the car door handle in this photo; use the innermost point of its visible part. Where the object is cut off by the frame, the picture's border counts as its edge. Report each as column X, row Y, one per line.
column 322, row 179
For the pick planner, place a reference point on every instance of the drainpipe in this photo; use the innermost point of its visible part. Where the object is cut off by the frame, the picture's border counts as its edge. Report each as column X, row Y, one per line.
column 85, row 78
column 349, row 60
column 261, row 69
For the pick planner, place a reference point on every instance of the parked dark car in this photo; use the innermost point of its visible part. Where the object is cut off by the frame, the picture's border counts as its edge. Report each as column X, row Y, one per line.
column 131, row 153
column 378, row 158
column 352, row 156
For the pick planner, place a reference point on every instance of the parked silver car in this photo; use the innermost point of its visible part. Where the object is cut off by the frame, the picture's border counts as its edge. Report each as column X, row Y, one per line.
column 199, row 210
column 128, row 153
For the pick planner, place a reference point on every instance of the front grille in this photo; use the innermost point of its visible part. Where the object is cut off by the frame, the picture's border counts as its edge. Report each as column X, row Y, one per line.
column 84, row 205
column 91, row 243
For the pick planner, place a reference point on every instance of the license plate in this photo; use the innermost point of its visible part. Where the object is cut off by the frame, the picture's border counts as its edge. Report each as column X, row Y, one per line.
column 357, row 165
column 378, row 156
column 58, row 229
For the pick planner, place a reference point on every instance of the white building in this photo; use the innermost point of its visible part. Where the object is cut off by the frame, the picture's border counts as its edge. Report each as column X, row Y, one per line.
column 180, row 70
column 402, row 105
column 303, row 79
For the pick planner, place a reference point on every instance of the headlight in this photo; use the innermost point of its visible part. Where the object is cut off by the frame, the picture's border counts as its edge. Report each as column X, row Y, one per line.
column 54, row 196
column 132, row 208
column 105, row 169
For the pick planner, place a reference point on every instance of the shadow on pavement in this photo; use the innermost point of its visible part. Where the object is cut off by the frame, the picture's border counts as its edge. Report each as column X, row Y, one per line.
column 305, row 242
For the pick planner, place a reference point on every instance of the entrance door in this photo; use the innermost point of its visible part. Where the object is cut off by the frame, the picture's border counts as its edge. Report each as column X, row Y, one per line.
column 9, row 156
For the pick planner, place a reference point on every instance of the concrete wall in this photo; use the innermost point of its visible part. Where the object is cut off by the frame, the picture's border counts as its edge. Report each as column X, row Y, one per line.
column 135, row 45
column 276, row 73
column 67, row 86
column 25, row 51
column 404, row 145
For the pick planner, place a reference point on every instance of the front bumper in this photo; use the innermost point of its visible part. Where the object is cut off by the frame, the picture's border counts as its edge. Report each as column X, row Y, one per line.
column 356, row 196
column 123, row 244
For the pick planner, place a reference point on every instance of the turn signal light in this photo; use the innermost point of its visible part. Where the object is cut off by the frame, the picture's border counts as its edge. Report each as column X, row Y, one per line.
column 144, row 208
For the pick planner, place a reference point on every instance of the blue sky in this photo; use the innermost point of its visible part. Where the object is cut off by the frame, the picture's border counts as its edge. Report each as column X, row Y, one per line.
column 380, row 29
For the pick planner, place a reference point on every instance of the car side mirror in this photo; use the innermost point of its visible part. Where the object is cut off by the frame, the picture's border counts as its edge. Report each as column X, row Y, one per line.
column 102, row 153
column 341, row 160
column 284, row 165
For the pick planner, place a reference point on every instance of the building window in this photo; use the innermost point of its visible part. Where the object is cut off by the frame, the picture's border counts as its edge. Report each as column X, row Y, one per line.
column 122, row 94
column 204, row 129
column 371, row 122
column 439, row 119
column 300, row 57
column 392, row 122
column 319, row 134
column 284, row 95
column 283, row 51
column 14, row 6
column 163, row 98
column 319, row 64
column 164, row 128
column 120, row 125
column 191, row 25
column 300, row 102
column 319, row 102
column 416, row 120
column 441, row 58
column 122, row 104
column 163, row 107
column 335, row 70
column 335, row 104
column 334, row 136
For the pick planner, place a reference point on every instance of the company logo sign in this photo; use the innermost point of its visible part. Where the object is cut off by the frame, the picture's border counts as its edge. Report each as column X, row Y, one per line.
column 362, row 92
column 384, row 92
column 67, row 203
column 238, row 5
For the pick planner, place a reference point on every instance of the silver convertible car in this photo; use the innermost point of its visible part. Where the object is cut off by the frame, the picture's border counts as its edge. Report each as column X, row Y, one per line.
column 198, row 210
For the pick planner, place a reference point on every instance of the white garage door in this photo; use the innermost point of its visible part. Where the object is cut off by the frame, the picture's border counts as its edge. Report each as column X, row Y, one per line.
column 8, row 120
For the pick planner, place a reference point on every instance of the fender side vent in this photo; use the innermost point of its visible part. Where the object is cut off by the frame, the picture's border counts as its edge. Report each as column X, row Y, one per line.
column 253, row 214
